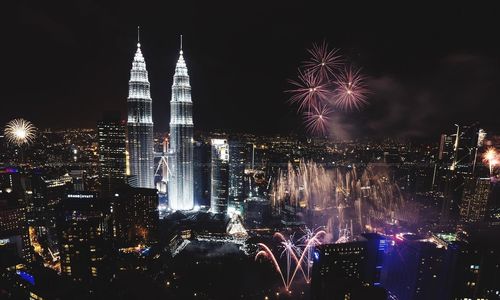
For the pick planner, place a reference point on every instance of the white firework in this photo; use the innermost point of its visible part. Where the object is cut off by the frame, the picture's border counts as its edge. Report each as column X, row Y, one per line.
column 19, row 132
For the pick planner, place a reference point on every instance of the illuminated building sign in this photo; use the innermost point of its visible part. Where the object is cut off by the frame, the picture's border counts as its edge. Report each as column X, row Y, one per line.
column 80, row 196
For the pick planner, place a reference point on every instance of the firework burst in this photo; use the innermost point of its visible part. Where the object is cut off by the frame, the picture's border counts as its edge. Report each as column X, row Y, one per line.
column 491, row 158
column 309, row 90
column 324, row 61
column 310, row 239
column 20, row 132
column 322, row 86
column 318, row 119
column 296, row 256
column 351, row 91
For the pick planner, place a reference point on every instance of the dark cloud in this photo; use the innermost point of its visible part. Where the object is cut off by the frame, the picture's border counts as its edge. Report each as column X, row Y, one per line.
column 461, row 88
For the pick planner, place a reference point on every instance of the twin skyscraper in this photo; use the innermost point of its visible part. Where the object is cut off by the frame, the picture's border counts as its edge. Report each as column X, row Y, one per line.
column 140, row 133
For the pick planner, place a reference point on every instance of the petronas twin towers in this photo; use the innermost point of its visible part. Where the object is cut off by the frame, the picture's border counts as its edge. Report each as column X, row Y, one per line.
column 140, row 124
column 140, row 133
column 181, row 185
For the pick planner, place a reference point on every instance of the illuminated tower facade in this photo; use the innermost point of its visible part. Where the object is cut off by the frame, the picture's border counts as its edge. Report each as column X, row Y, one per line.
column 237, row 159
column 140, row 124
column 181, row 185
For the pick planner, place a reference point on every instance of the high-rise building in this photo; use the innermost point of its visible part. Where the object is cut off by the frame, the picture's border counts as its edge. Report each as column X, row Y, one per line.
column 181, row 185
column 349, row 270
column 475, row 199
column 14, row 212
column 415, row 268
column 237, row 160
column 82, row 225
column 42, row 201
column 112, row 148
column 14, row 230
column 474, row 270
column 493, row 210
column 446, row 147
column 457, row 155
column 140, row 124
column 201, row 172
column 135, row 215
column 456, row 150
column 219, row 177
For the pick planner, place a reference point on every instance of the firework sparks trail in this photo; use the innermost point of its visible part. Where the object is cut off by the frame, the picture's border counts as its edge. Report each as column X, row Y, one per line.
column 492, row 159
column 20, row 132
column 317, row 121
column 324, row 61
column 290, row 250
column 309, row 90
column 351, row 91
column 269, row 254
column 311, row 240
column 310, row 185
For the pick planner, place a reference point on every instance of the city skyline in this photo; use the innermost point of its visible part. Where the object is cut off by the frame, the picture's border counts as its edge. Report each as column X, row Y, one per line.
column 430, row 73
column 277, row 151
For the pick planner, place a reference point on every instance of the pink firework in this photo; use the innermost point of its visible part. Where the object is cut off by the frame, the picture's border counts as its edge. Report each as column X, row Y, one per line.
column 351, row 91
column 266, row 252
column 296, row 257
column 311, row 239
column 309, row 90
column 317, row 120
column 323, row 61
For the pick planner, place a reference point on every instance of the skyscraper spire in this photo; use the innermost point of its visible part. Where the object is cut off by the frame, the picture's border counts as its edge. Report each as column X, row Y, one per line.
column 181, row 45
column 138, row 36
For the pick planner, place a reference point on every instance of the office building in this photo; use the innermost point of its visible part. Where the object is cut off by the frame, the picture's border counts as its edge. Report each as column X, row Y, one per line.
column 475, row 199
column 112, row 151
column 140, row 124
column 219, row 177
column 237, row 160
column 82, row 224
column 134, row 216
column 415, row 268
column 349, row 270
column 201, row 172
column 181, row 184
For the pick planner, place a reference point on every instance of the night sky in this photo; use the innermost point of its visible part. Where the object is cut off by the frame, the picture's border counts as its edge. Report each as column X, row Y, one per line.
column 65, row 62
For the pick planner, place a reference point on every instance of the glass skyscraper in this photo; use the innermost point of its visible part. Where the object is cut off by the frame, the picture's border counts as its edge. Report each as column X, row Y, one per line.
column 181, row 185
column 237, row 160
column 112, row 156
column 140, row 124
column 219, row 176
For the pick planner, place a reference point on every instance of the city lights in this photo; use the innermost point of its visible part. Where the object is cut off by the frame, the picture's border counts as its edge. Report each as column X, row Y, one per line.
column 282, row 151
